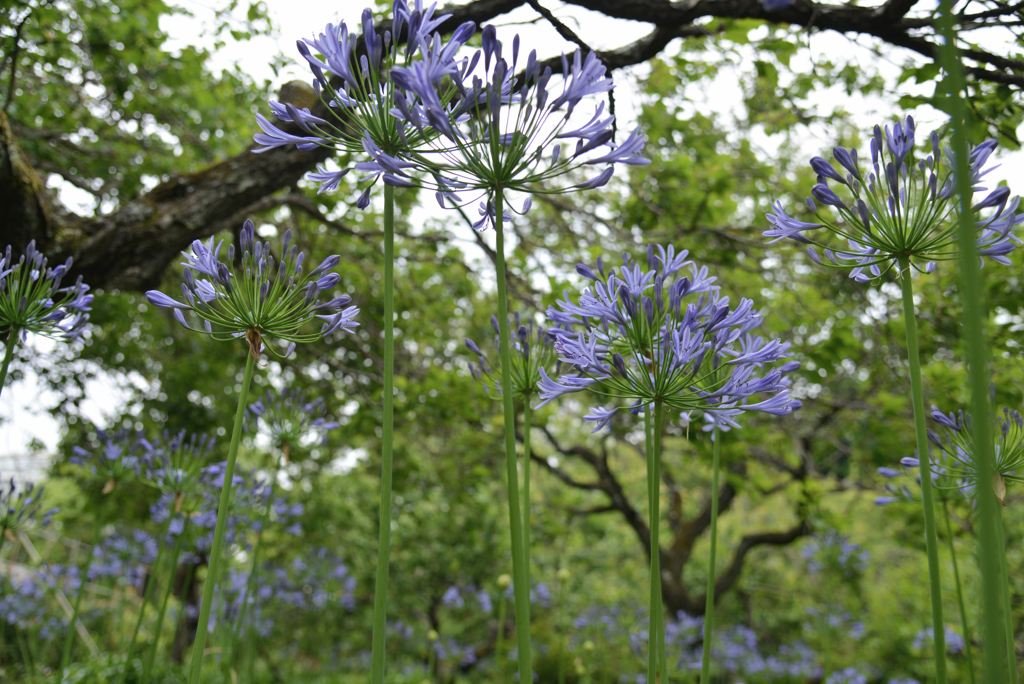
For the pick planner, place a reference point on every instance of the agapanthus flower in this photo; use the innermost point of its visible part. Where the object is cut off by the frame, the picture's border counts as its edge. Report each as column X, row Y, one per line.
column 632, row 336
column 502, row 132
column 289, row 420
column 953, row 466
column 531, row 351
column 125, row 555
column 836, row 552
column 904, row 207
column 261, row 298
column 19, row 510
column 174, row 464
column 117, row 459
column 32, row 299
column 362, row 99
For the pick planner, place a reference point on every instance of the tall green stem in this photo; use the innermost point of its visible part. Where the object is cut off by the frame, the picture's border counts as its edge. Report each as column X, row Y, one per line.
column 101, row 520
column 519, row 575
column 709, row 605
column 145, row 598
column 974, row 316
column 380, row 593
column 221, row 528
column 959, row 592
column 1004, row 582
column 931, row 539
column 659, row 422
column 12, row 339
column 147, row 667
column 527, row 414
column 656, row 657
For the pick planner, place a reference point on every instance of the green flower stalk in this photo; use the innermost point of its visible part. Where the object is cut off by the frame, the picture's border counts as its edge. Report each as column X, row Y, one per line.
column 530, row 353
column 631, row 337
column 903, row 216
column 499, row 136
column 33, row 301
column 974, row 315
column 361, row 100
column 257, row 300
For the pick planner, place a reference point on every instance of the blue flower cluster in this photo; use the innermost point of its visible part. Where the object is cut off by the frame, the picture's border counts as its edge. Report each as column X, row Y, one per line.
column 531, row 351
column 646, row 335
column 427, row 117
column 262, row 297
column 32, row 299
column 900, row 209
column 833, row 551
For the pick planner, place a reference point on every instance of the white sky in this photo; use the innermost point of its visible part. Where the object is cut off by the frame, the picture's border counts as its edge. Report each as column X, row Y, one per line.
column 297, row 19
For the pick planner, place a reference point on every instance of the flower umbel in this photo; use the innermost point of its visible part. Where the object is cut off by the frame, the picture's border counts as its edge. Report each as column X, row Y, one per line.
column 20, row 509
column 261, row 298
column 499, row 132
column 289, row 420
column 531, row 351
column 362, row 99
column 636, row 339
column 32, row 299
column 903, row 208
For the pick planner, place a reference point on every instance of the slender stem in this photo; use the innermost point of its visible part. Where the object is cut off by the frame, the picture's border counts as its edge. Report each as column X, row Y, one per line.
column 659, row 606
column 221, row 528
column 147, row 667
column 519, row 585
column 161, row 547
column 101, row 520
column 527, row 414
column 652, row 613
column 500, row 645
column 1011, row 642
column 927, row 495
column 709, row 605
column 656, row 657
column 974, row 316
column 380, row 594
column 12, row 339
column 959, row 592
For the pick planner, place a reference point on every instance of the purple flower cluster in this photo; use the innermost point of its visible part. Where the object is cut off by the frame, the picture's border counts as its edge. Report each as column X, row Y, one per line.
column 363, row 98
column 902, row 209
column 125, row 555
column 19, row 510
column 32, row 299
column 833, row 551
column 26, row 601
column 262, row 297
column 424, row 117
column 289, row 420
column 498, row 131
column 175, row 465
column 632, row 336
column 531, row 351
column 953, row 464
column 925, row 640
column 118, row 457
